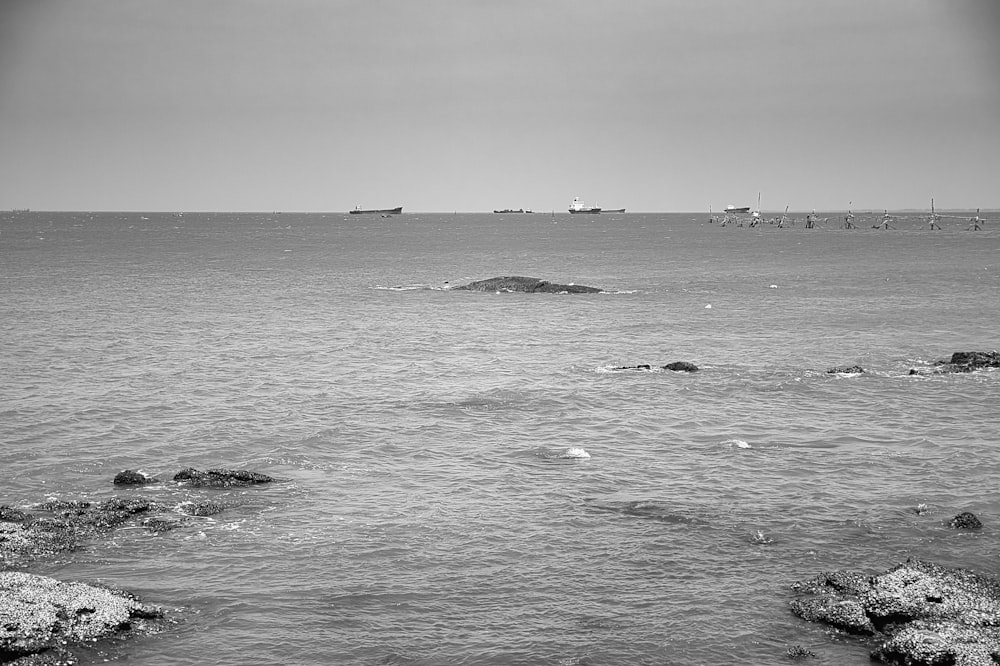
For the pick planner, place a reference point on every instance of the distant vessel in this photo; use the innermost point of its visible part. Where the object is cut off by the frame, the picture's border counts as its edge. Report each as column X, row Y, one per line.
column 511, row 210
column 579, row 207
column 737, row 209
column 613, row 210
column 358, row 210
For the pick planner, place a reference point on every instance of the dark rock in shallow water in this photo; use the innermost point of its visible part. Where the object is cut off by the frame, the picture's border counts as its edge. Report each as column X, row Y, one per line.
column 221, row 478
column 130, row 478
column 965, row 521
column 681, row 366
column 528, row 285
column 846, row 370
column 969, row 361
column 41, row 614
column 917, row 613
column 963, row 362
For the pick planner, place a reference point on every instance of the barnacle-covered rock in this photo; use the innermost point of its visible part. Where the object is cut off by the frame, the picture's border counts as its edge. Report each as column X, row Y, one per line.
column 38, row 614
column 221, row 478
column 920, row 613
column 965, row 521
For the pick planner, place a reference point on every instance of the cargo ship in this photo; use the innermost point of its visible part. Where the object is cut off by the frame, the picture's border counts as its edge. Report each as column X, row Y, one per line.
column 579, row 207
column 358, row 210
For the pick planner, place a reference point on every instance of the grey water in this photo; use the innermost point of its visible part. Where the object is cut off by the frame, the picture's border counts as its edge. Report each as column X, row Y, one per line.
column 464, row 477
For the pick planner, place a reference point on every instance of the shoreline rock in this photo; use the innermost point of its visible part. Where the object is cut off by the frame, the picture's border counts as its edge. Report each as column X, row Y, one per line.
column 39, row 615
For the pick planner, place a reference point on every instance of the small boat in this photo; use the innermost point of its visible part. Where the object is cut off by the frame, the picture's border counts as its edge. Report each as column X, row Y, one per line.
column 737, row 209
column 579, row 207
column 358, row 210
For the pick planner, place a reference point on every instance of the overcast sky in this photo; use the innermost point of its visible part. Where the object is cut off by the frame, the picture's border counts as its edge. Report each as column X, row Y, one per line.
column 471, row 105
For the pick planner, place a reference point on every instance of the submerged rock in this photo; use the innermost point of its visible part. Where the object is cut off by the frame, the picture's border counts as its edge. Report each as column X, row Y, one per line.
column 846, row 370
column 799, row 652
column 63, row 526
column 528, row 285
column 917, row 613
column 40, row 614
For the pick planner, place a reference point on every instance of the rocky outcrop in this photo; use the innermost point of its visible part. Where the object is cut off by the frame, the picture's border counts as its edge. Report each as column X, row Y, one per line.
column 40, row 615
column 917, row 613
column 528, row 285
column 963, row 362
column 676, row 366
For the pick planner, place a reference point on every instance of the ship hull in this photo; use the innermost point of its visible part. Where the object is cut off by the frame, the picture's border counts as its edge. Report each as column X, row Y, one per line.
column 389, row 211
column 585, row 211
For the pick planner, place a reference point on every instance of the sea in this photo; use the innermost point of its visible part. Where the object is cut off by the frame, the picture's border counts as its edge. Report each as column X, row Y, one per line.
column 468, row 477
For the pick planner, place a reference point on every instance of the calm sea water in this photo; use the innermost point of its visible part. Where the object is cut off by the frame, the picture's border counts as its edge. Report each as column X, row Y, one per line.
column 426, row 513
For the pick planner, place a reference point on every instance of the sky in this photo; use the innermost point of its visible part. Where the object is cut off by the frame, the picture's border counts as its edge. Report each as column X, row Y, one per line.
column 473, row 105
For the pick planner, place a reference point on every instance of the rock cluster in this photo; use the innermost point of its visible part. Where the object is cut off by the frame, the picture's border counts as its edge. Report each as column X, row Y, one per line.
column 916, row 614
column 676, row 366
column 41, row 618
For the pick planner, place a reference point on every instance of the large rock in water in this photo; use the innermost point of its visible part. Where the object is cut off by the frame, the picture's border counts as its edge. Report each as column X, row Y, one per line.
column 528, row 285
column 969, row 361
column 963, row 362
column 917, row 613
